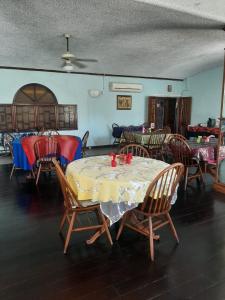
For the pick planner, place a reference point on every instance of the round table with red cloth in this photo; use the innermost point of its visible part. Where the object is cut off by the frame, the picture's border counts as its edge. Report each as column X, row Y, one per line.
column 70, row 148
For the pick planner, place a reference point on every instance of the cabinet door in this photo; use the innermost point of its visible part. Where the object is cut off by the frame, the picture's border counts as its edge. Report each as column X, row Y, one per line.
column 25, row 117
column 67, row 116
column 183, row 114
column 6, row 117
column 46, row 117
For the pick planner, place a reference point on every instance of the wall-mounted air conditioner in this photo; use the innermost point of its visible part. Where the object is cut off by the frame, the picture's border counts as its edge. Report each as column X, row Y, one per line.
column 125, row 87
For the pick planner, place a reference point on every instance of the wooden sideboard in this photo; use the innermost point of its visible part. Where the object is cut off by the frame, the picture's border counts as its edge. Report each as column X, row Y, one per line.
column 27, row 117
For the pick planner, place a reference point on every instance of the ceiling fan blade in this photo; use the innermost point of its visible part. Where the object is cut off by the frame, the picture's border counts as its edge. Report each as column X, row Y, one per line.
column 86, row 59
column 78, row 64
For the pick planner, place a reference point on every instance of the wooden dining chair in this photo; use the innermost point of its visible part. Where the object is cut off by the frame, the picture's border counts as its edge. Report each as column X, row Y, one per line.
column 48, row 132
column 74, row 208
column 45, row 150
column 128, row 137
column 153, row 213
column 9, row 146
column 84, row 143
column 167, row 129
column 115, row 126
column 175, row 135
column 182, row 153
column 135, row 149
column 156, row 143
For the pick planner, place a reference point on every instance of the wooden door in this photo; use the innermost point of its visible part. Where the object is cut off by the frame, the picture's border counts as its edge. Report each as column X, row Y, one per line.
column 156, row 112
column 170, row 113
column 183, row 115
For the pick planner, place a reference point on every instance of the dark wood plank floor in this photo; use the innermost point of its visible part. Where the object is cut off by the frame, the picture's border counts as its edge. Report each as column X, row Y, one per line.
column 32, row 264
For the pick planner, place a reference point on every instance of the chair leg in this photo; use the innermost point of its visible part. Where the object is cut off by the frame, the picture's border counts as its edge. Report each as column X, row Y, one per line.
column 69, row 232
column 12, row 171
column 186, row 178
column 38, row 174
column 172, row 227
column 62, row 221
column 201, row 174
column 151, row 239
column 106, row 227
column 121, row 226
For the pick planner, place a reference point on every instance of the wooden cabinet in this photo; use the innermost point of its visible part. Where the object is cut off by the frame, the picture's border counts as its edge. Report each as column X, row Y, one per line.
column 35, row 107
column 47, row 117
column 6, row 117
column 67, row 116
column 26, row 117
column 172, row 112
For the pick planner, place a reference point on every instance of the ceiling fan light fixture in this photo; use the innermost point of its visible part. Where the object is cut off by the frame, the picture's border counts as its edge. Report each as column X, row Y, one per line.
column 68, row 67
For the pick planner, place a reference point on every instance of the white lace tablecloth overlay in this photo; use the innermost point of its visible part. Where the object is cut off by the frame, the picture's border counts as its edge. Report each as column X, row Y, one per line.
column 117, row 189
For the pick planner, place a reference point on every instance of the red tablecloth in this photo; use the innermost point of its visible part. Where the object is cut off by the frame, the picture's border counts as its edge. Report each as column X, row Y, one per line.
column 213, row 130
column 67, row 146
column 206, row 151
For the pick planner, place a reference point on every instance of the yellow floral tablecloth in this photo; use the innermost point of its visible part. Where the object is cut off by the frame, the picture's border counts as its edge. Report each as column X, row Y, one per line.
column 94, row 178
column 117, row 189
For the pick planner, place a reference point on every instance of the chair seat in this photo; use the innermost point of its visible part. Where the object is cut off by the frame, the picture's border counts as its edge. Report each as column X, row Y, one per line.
column 86, row 203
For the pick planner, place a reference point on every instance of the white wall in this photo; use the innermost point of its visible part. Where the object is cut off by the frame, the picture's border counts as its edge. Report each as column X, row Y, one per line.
column 205, row 89
column 94, row 114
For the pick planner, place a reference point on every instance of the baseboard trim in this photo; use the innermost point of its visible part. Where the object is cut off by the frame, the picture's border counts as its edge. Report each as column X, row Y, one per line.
column 102, row 146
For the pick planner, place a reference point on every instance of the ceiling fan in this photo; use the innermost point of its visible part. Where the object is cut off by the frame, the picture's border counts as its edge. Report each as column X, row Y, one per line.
column 70, row 60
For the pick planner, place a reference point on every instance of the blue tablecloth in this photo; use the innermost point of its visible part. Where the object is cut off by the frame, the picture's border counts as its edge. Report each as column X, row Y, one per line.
column 20, row 159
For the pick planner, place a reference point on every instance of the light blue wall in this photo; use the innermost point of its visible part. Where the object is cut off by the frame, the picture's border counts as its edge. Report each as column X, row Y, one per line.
column 94, row 114
column 205, row 89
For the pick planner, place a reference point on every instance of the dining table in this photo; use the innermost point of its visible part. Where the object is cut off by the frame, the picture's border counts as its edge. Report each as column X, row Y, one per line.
column 206, row 151
column 70, row 148
column 117, row 189
column 143, row 137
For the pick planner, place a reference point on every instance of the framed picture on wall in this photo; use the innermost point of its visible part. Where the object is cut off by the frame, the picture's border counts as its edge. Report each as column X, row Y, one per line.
column 124, row 102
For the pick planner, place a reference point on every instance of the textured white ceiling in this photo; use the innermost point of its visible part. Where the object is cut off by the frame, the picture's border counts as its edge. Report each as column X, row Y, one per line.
column 142, row 38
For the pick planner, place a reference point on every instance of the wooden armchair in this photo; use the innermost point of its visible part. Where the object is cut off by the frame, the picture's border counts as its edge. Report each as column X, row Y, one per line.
column 182, row 153
column 45, row 150
column 156, row 143
column 74, row 207
column 128, row 137
column 135, row 149
column 153, row 213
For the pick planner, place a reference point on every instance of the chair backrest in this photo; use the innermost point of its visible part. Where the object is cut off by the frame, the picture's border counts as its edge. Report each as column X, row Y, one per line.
column 48, row 132
column 174, row 135
column 85, row 139
column 167, row 129
column 46, row 148
column 7, row 139
column 161, row 191
column 180, row 150
column 128, row 136
column 70, row 197
column 135, row 149
column 9, row 146
column 114, row 125
column 157, row 138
